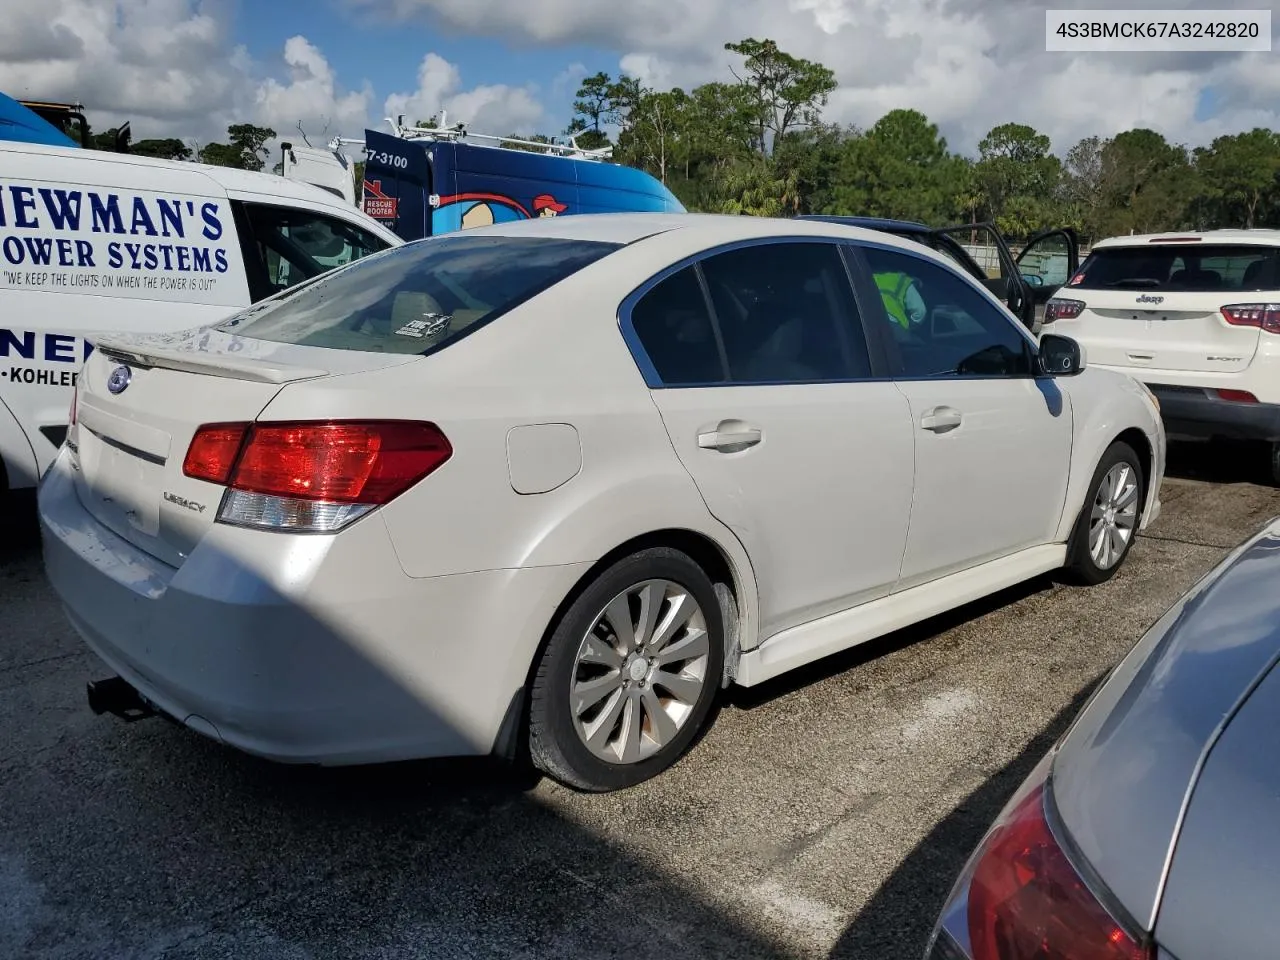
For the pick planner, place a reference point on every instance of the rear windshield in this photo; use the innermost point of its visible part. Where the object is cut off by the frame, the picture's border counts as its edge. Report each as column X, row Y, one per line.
column 1180, row 267
column 419, row 297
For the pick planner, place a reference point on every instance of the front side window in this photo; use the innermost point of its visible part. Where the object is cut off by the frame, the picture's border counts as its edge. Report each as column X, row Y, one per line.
column 941, row 325
column 295, row 245
column 418, row 297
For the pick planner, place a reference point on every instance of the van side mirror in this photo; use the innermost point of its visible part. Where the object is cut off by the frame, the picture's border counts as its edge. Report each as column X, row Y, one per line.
column 1060, row 356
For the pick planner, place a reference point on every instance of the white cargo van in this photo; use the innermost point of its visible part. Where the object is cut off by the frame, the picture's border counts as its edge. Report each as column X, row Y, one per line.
column 94, row 242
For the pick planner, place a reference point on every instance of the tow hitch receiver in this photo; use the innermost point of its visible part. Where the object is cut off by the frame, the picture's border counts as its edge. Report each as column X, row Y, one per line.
column 116, row 697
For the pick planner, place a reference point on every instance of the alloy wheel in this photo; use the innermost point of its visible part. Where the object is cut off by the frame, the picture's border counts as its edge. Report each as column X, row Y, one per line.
column 639, row 671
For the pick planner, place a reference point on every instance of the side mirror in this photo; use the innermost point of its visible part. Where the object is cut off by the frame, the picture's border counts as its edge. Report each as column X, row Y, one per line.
column 1060, row 356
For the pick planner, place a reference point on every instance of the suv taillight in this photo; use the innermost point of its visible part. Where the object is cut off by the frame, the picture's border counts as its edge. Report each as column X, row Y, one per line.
column 1027, row 902
column 1059, row 309
column 312, row 476
column 1265, row 316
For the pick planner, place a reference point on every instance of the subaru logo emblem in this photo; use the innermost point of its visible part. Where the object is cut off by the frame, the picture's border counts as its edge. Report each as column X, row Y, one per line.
column 118, row 382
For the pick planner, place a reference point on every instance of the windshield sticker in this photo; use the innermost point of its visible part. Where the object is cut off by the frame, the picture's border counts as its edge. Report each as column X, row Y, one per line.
column 430, row 325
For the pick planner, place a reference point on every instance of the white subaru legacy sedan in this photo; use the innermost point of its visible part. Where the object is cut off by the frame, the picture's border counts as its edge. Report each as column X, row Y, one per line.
column 542, row 489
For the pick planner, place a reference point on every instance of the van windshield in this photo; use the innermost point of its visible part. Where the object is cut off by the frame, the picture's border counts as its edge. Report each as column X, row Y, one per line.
column 1181, row 267
column 419, row 297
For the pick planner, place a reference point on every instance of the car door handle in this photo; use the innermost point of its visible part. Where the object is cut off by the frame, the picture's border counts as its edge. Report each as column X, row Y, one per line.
column 730, row 435
column 940, row 419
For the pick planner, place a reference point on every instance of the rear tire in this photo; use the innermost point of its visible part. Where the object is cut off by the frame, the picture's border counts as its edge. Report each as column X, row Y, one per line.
column 1108, row 522
column 629, row 675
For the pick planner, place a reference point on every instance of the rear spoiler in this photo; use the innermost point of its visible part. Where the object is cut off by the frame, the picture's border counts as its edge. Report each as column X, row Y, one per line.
column 215, row 365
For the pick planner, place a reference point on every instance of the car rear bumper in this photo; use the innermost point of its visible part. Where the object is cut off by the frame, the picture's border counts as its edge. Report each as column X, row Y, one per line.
column 1199, row 412
column 305, row 649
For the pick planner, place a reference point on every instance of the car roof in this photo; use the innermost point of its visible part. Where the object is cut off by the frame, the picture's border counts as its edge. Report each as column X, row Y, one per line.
column 872, row 223
column 229, row 178
column 1259, row 237
column 626, row 228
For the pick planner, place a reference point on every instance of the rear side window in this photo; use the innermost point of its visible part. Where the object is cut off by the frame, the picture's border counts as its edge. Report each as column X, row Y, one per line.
column 1183, row 267
column 675, row 328
column 420, row 297
column 786, row 313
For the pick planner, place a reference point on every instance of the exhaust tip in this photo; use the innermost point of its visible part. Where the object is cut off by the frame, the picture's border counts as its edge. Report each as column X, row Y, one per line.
column 117, row 697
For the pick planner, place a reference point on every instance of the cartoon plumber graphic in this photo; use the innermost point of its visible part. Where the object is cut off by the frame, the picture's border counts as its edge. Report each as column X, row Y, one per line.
column 545, row 205
column 466, row 210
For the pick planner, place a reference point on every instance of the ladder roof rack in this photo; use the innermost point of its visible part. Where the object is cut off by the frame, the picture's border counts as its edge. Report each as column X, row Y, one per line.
column 459, row 131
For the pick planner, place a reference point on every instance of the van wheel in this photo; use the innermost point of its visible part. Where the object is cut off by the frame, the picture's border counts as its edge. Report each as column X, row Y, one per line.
column 629, row 675
column 1108, row 524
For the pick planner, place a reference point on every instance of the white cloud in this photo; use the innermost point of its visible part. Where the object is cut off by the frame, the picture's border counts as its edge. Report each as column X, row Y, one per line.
column 495, row 109
column 967, row 64
column 171, row 69
column 311, row 97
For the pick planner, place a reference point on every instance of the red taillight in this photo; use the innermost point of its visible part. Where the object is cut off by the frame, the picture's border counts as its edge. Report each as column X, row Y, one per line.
column 1026, row 901
column 1265, row 316
column 1057, row 309
column 213, row 451
column 1237, row 396
column 345, row 462
column 352, row 462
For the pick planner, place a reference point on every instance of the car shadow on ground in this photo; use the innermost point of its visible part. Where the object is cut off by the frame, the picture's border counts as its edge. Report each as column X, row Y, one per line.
column 899, row 917
column 1219, row 461
column 145, row 839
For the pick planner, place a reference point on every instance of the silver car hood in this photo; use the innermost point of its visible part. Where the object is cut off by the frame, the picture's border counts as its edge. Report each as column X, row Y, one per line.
column 1124, row 774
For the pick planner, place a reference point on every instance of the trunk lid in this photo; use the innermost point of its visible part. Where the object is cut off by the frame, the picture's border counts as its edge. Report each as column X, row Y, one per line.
column 1141, row 329
column 131, row 436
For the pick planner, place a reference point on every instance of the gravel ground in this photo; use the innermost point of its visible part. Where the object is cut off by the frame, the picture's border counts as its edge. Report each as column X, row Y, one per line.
column 824, row 815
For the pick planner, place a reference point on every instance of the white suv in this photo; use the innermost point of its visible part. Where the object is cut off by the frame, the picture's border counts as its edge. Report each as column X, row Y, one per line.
column 1194, row 316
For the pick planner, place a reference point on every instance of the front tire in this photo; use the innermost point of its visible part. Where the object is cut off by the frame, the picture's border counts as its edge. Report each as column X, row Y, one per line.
column 1108, row 524
column 629, row 675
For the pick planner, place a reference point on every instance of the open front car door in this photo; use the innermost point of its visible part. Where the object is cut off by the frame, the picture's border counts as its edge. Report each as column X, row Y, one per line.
column 1047, row 262
column 1002, row 277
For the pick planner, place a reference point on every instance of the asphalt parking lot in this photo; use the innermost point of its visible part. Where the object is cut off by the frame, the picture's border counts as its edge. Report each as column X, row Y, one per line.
column 823, row 816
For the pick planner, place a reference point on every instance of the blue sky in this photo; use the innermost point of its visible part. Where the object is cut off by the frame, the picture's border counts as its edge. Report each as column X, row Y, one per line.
column 362, row 45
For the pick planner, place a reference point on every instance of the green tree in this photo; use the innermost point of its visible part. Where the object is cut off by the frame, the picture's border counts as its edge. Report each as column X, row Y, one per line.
column 900, row 168
column 170, row 148
column 654, row 134
column 245, row 151
column 1238, row 174
column 1017, row 178
column 1081, row 192
column 813, row 157
column 788, row 92
column 757, row 188
column 593, row 109
column 1147, row 183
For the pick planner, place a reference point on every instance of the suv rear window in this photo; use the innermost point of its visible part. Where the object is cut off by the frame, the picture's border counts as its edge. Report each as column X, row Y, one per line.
column 1181, row 267
column 419, row 297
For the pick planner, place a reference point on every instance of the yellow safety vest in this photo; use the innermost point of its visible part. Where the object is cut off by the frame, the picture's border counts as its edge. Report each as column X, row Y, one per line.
column 893, row 291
